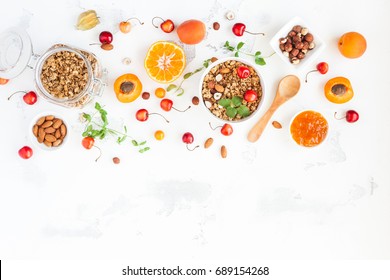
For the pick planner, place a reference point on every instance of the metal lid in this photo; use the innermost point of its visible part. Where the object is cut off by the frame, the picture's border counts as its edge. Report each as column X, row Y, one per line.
column 15, row 52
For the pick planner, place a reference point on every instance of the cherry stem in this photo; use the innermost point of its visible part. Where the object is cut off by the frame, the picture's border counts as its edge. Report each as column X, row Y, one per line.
column 192, row 148
column 257, row 33
column 335, row 113
column 100, row 153
column 15, row 93
column 158, row 18
column 93, row 44
column 139, row 21
column 160, row 116
column 214, row 128
column 181, row 110
column 309, row 73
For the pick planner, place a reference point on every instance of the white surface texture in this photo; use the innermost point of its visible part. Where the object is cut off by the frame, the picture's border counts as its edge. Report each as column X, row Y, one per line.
column 268, row 200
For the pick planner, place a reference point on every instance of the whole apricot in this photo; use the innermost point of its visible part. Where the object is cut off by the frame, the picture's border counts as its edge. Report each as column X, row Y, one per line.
column 191, row 32
column 352, row 45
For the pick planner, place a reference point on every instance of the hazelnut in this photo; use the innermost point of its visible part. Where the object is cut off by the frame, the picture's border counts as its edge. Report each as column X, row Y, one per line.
column 292, row 33
column 309, row 37
column 296, row 39
column 295, row 60
column 281, row 46
column 145, row 95
column 282, row 40
column 301, row 55
column 116, row 160
column 304, row 51
column 305, row 45
column 299, row 45
column 289, row 40
column 312, row 46
column 297, row 28
column 304, row 31
column 213, row 59
column 288, row 47
column 285, row 53
column 216, row 26
column 195, row 100
column 294, row 52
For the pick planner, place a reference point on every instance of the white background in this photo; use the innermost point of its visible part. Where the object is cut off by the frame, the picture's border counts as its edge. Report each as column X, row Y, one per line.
column 268, row 200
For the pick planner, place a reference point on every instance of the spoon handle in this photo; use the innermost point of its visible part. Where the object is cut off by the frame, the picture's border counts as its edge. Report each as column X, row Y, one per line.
column 256, row 131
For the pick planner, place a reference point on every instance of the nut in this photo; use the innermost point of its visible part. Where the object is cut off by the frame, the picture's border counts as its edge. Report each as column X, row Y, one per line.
column 107, row 47
column 219, row 88
column 49, row 118
column 208, row 104
column 291, row 33
column 216, row 26
column 57, row 134
column 116, row 160
column 282, row 47
column 50, row 138
column 304, row 31
column 145, row 95
column 218, row 78
column 57, row 143
column 63, row 130
column 297, row 28
column 282, row 40
column 47, row 143
column 195, row 100
column 217, row 95
column 50, row 130
column 301, row 55
column 312, row 46
column 223, row 151
column 35, row 130
column 224, row 71
column 296, row 39
column 294, row 52
column 57, row 123
column 288, row 47
column 230, row 15
column 295, row 61
column 208, row 143
column 41, row 121
column 47, row 124
column 276, row 124
column 308, row 37
column 299, row 45
column 211, row 85
column 285, row 53
column 213, row 59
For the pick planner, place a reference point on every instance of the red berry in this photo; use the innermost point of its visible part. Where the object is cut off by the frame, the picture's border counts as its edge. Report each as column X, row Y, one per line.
column 227, row 129
column 352, row 116
column 239, row 29
column 30, row 98
column 106, row 37
column 250, row 96
column 88, row 142
column 142, row 115
column 166, row 104
column 25, row 152
column 243, row 72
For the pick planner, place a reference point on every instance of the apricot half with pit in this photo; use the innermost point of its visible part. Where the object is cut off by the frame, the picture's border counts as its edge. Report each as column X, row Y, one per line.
column 338, row 90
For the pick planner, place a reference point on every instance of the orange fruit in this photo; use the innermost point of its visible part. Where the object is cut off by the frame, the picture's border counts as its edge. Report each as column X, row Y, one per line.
column 165, row 61
column 352, row 45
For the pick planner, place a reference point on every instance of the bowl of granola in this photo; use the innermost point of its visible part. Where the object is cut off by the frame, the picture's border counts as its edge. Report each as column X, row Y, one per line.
column 232, row 89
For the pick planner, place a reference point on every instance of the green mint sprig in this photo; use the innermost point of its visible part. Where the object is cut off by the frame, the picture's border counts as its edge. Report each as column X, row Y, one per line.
column 260, row 60
column 234, row 107
column 101, row 130
column 178, row 88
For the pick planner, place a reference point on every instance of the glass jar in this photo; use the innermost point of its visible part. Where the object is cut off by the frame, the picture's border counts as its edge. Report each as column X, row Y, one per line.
column 64, row 75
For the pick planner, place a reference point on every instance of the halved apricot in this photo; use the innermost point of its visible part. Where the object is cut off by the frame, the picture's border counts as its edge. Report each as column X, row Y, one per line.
column 338, row 90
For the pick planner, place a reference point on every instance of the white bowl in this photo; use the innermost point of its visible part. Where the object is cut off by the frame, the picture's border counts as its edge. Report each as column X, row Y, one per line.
column 219, row 61
column 34, row 139
column 293, row 140
column 310, row 56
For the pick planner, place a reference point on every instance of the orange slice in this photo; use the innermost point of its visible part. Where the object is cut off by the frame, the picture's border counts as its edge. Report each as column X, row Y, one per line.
column 165, row 61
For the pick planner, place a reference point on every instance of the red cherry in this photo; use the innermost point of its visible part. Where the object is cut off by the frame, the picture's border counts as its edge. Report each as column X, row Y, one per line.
column 321, row 67
column 226, row 129
column 29, row 98
column 167, row 104
column 250, row 96
column 239, row 29
column 106, row 37
column 25, row 152
column 188, row 138
column 351, row 116
column 243, row 72
column 167, row 25
column 88, row 142
column 143, row 115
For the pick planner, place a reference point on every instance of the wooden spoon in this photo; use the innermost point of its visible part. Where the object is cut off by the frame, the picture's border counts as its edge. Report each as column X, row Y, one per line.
column 288, row 87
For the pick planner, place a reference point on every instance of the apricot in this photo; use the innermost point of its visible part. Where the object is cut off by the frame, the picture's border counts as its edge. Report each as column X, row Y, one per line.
column 338, row 90
column 352, row 45
column 191, row 32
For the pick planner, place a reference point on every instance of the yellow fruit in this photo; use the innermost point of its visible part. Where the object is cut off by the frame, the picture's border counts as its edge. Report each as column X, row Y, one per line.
column 87, row 20
column 164, row 62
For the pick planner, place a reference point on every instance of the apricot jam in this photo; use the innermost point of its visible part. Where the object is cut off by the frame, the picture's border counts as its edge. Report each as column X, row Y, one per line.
column 309, row 128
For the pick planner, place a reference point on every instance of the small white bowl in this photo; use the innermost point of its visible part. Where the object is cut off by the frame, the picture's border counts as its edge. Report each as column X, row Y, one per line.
column 34, row 139
column 292, row 120
column 310, row 56
column 222, row 60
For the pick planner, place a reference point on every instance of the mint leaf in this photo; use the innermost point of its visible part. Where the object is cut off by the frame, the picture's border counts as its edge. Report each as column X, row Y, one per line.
column 186, row 76
column 239, row 46
column 85, row 134
column 144, row 150
column 258, row 53
column 226, row 44
column 87, row 117
column 243, row 111
column 171, row 87
column 181, row 92
column 236, row 100
column 206, row 63
column 135, row 143
column 121, row 139
column 260, row 61
column 236, row 54
column 231, row 112
column 142, row 143
column 225, row 102
column 97, row 106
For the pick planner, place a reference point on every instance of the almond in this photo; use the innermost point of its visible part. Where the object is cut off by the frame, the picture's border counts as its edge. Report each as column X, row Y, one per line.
column 49, row 117
column 35, row 130
column 41, row 132
column 57, row 123
column 208, row 143
column 41, row 138
column 47, row 143
column 277, row 124
column 50, row 130
column 224, row 70
column 57, row 134
column 223, row 151
column 219, row 88
column 107, row 47
column 50, row 138
column 47, row 124
column 57, row 143
column 41, row 121
column 63, row 130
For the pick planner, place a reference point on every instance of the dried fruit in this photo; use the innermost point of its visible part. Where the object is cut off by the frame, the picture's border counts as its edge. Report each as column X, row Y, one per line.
column 87, row 20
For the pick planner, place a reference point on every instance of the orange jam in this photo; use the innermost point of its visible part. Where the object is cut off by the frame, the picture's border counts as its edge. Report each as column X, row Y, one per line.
column 309, row 128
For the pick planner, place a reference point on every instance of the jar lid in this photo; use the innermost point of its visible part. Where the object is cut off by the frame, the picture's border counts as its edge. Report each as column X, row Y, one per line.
column 15, row 52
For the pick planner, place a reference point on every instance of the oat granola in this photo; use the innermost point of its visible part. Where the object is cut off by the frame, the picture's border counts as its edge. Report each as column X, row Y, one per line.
column 223, row 82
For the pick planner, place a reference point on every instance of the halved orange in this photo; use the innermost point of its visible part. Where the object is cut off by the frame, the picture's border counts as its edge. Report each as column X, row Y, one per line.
column 165, row 61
